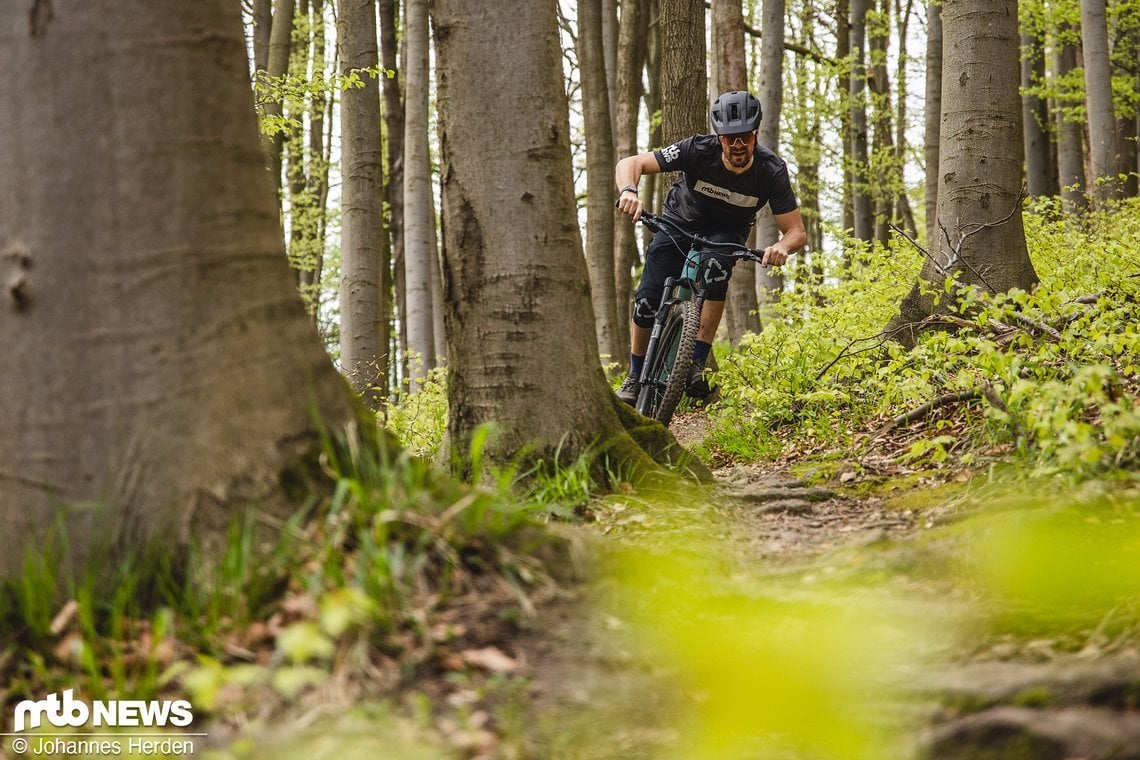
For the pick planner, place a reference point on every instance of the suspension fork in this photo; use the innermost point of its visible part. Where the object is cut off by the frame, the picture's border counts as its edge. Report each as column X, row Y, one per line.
column 658, row 325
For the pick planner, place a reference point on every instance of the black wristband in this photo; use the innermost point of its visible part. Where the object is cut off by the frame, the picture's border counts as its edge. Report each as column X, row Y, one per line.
column 628, row 188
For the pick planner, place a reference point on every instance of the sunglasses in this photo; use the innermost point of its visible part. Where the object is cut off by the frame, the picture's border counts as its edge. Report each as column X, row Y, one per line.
column 744, row 140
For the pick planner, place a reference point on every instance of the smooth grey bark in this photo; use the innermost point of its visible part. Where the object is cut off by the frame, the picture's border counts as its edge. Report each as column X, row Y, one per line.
column 842, row 50
column 599, row 179
column 730, row 72
column 885, row 176
column 419, row 214
column 262, row 27
column 1034, row 118
column 1098, row 95
column 632, row 36
column 770, row 284
column 521, row 348
column 160, row 374
column 933, row 115
column 280, row 42
column 610, row 34
column 393, row 123
column 1070, row 143
column 980, row 235
column 862, row 208
column 363, row 322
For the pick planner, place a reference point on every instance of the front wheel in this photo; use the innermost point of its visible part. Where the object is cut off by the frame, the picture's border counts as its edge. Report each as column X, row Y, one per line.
column 669, row 366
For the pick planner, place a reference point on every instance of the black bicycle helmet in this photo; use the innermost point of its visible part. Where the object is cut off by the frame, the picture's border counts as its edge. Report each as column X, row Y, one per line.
column 735, row 112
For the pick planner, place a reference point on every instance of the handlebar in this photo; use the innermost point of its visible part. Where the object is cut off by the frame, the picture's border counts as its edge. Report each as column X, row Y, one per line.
column 656, row 223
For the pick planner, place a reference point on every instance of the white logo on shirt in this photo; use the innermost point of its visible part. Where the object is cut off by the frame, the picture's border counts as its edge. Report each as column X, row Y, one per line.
column 728, row 196
column 671, row 154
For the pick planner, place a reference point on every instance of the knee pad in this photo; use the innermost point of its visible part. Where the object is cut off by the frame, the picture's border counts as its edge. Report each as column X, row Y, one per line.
column 644, row 310
column 716, row 274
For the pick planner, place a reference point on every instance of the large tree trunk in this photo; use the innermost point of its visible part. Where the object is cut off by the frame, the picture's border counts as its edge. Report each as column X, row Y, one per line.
column 521, row 346
column 633, row 32
column 599, row 179
column 933, row 115
column 684, row 87
column 980, row 235
column 159, row 371
column 419, row 216
column 769, row 284
column 363, row 325
column 730, row 72
column 1098, row 94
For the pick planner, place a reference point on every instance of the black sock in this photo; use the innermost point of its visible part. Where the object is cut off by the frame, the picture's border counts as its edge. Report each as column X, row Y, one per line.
column 635, row 364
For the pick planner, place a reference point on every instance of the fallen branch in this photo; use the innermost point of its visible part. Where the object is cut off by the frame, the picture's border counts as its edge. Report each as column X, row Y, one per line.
column 986, row 392
column 885, row 335
column 925, row 409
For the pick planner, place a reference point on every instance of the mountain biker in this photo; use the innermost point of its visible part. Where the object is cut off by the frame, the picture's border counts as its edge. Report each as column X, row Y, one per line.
column 724, row 180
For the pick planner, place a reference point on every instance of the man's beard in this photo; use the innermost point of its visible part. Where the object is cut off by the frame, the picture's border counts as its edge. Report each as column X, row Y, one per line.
column 739, row 159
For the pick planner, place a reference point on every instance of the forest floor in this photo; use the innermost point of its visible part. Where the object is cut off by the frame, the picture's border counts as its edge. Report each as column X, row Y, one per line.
column 583, row 685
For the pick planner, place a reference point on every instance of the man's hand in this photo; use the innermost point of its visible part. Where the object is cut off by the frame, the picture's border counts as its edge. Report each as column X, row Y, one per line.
column 629, row 203
column 774, row 256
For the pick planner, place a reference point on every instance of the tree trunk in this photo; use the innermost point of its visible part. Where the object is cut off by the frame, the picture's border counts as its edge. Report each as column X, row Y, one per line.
column 1034, row 117
column 521, row 346
column 363, row 326
column 731, row 73
column 769, row 284
column 394, row 185
column 609, row 10
column 903, row 210
column 864, row 216
column 684, row 87
column 1098, row 93
column 1070, row 144
column 262, row 27
column 309, row 279
column 886, row 177
column 159, row 372
column 419, row 217
column 633, row 32
column 599, row 179
column 280, row 41
column 842, row 50
column 933, row 115
column 981, row 237
column 654, row 182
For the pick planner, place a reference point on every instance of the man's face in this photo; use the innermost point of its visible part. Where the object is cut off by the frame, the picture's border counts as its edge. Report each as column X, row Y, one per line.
column 738, row 148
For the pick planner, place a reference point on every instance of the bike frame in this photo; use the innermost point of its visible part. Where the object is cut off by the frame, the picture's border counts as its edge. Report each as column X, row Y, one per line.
column 689, row 286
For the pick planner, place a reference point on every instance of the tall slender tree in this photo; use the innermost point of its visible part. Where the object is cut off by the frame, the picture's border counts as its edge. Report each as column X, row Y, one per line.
column 1070, row 135
column 169, row 379
column 861, row 202
column 1098, row 93
column 933, row 115
column 633, row 33
column 599, row 178
column 363, row 326
column 419, row 214
column 730, row 72
column 770, row 284
column 393, row 111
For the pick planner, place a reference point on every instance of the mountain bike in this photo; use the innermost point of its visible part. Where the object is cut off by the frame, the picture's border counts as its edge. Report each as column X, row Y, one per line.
column 669, row 356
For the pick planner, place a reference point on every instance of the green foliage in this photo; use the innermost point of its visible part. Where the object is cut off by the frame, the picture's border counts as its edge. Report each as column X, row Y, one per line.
column 419, row 420
column 359, row 576
column 1057, row 378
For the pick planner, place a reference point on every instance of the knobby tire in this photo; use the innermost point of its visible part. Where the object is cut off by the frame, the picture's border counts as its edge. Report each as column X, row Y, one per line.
column 669, row 368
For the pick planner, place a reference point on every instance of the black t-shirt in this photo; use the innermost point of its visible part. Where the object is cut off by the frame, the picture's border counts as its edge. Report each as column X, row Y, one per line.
column 706, row 196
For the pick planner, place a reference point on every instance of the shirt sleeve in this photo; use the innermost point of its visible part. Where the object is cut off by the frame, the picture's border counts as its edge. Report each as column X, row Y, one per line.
column 676, row 156
column 782, row 198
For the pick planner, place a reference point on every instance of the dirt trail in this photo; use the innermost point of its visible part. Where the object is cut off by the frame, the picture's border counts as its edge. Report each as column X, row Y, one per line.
column 588, row 694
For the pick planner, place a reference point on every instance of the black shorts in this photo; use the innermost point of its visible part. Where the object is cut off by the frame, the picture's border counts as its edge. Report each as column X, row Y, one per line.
column 665, row 257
